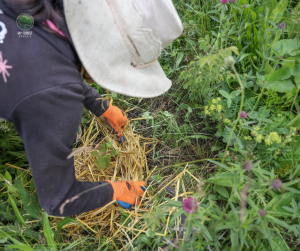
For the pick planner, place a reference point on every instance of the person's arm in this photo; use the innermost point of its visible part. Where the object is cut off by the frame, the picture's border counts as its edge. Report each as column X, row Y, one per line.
column 48, row 122
column 93, row 101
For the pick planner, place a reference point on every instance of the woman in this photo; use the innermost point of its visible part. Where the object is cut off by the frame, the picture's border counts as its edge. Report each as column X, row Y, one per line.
column 42, row 93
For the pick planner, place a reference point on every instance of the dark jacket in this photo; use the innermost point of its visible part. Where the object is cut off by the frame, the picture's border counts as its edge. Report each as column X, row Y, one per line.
column 43, row 95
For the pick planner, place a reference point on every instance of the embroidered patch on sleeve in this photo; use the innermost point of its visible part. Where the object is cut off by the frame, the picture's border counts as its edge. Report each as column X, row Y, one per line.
column 4, row 67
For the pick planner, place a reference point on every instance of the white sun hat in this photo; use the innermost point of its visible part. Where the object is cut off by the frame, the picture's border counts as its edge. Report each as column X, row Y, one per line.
column 119, row 42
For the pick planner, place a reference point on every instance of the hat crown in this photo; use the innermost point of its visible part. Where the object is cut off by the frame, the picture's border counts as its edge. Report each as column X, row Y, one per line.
column 146, row 26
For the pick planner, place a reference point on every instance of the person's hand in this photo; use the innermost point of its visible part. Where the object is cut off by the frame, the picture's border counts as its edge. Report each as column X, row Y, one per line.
column 128, row 193
column 115, row 118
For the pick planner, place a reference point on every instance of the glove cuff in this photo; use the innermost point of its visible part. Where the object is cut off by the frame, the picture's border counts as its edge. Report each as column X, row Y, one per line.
column 109, row 110
column 117, row 187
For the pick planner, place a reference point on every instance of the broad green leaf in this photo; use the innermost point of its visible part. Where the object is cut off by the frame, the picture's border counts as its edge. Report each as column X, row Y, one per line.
column 286, row 46
column 228, row 102
column 16, row 210
column 243, row 56
column 281, row 74
column 222, row 191
column 49, row 233
column 179, row 58
column 94, row 154
column 280, row 86
column 224, row 94
column 189, row 228
column 289, row 62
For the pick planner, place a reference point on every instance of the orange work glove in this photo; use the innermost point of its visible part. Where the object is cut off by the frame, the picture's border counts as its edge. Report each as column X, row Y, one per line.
column 128, row 193
column 115, row 118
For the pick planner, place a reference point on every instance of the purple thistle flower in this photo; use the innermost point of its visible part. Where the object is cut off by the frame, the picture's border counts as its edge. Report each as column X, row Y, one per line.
column 224, row 1
column 190, row 205
column 277, row 183
column 247, row 165
column 245, row 5
column 243, row 115
column 282, row 25
column 262, row 213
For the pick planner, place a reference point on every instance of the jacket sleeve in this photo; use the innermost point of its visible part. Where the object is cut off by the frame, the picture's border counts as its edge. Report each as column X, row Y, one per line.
column 48, row 122
column 93, row 100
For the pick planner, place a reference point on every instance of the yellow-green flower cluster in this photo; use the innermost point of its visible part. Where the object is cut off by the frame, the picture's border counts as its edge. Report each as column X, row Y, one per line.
column 247, row 138
column 259, row 137
column 273, row 137
column 213, row 107
column 227, row 121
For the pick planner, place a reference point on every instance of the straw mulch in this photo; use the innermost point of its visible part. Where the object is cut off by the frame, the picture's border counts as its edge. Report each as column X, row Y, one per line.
column 130, row 165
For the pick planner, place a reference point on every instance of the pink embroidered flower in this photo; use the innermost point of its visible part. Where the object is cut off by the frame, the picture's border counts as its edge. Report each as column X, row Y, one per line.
column 224, row 1
column 190, row 205
column 4, row 67
column 243, row 115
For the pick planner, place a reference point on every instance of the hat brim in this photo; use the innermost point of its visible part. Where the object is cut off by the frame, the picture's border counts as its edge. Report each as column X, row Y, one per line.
column 103, row 53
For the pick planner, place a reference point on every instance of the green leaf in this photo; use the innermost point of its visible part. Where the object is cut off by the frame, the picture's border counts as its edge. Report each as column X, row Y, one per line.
column 224, row 94
column 94, row 154
column 30, row 202
column 286, row 46
column 189, row 229
column 49, row 233
column 64, row 222
column 20, row 247
column 179, row 58
column 280, row 86
column 228, row 102
column 297, row 81
column 156, row 177
column 7, row 176
column 219, row 164
column 295, row 122
column 108, row 144
column 279, row 244
column 16, row 210
column 281, row 74
column 173, row 202
column 102, row 148
column 234, row 237
column 150, row 233
column 279, row 201
column 222, row 191
column 101, row 163
column 243, row 56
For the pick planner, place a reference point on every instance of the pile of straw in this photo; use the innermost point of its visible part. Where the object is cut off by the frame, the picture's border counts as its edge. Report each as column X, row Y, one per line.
column 130, row 165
